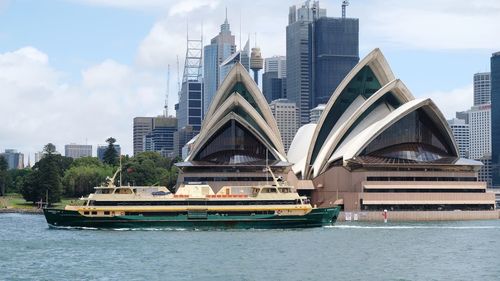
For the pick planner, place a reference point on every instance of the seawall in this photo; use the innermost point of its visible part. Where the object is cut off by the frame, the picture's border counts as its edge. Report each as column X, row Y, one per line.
column 420, row 216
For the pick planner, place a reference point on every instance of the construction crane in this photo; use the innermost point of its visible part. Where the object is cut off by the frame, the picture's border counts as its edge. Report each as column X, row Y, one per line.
column 345, row 3
column 178, row 80
column 165, row 113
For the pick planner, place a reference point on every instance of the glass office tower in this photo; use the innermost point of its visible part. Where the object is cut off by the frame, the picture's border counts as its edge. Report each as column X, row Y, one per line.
column 495, row 118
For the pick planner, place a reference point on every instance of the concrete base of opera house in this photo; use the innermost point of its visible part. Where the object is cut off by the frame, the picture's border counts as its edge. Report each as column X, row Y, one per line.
column 419, row 216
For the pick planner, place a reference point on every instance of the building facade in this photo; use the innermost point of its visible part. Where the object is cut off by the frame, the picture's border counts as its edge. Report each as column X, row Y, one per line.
column 78, row 150
column 161, row 137
column 335, row 51
column 495, row 117
column 298, row 52
column 320, row 53
column 274, row 78
column 242, row 57
column 482, row 88
column 461, row 132
column 316, row 113
column 376, row 147
column 285, row 114
column 220, row 48
column 480, row 131
column 276, row 64
column 15, row 160
column 238, row 139
column 142, row 126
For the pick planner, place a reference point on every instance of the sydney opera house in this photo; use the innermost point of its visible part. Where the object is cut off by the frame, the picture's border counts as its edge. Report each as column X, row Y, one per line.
column 375, row 147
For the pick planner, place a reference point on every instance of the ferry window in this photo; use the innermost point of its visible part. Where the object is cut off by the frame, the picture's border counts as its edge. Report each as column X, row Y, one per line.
column 94, row 213
column 106, row 212
column 86, row 213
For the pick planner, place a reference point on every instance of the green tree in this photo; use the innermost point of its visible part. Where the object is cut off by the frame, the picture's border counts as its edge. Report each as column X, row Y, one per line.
column 111, row 155
column 49, row 148
column 15, row 179
column 149, row 168
column 3, row 175
column 46, row 178
column 81, row 180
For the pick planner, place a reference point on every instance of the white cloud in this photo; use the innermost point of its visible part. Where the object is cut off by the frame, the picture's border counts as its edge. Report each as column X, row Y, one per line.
column 451, row 101
column 38, row 106
column 431, row 25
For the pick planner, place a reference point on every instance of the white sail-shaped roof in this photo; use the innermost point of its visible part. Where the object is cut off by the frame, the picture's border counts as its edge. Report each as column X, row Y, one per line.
column 239, row 100
column 367, row 102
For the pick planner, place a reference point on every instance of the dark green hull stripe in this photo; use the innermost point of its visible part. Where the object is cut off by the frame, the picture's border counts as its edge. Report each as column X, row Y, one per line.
column 316, row 218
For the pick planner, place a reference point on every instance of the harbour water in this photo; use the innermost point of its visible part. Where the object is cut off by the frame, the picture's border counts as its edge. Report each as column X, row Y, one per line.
column 467, row 250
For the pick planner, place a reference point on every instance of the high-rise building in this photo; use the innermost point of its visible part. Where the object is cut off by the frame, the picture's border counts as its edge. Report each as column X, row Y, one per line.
column 298, row 51
column 461, row 133
column 15, row 160
column 285, row 114
column 276, row 64
column 242, row 56
column 161, row 137
column 220, row 48
column 274, row 78
column 495, row 118
column 482, row 88
column 316, row 113
column 142, row 127
column 273, row 87
column 77, row 150
column 101, row 149
column 480, row 131
column 335, row 51
column 484, row 173
column 181, row 137
column 189, row 110
column 320, row 53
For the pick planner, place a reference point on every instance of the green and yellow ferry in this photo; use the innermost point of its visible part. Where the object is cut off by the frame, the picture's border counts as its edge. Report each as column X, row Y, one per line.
column 194, row 205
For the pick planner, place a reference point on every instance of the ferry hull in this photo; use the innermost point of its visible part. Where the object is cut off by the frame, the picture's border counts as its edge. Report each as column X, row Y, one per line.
column 316, row 218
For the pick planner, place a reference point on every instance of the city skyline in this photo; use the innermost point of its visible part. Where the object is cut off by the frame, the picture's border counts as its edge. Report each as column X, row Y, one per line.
column 103, row 72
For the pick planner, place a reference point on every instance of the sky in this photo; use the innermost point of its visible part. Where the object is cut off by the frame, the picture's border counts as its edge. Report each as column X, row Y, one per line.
column 79, row 71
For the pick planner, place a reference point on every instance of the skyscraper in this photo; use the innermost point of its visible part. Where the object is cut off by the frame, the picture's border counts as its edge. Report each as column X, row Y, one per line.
column 189, row 110
column 335, row 51
column 482, row 88
column 142, row 127
column 220, row 48
column 285, row 113
column 161, row 137
column 15, row 160
column 298, row 52
column 495, row 118
column 320, row 52
column 480, row 131
column 274, row 78
column 78, row 150
column 461, row 133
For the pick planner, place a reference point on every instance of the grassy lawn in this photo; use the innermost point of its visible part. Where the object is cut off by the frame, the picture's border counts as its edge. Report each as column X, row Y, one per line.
column 16, row 201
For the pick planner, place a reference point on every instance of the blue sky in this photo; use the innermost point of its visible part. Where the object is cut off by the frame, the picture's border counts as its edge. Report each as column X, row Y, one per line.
column 80, row 70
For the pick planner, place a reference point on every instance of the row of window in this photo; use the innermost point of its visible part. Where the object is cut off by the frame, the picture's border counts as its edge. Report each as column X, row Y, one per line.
column 429, row 207
column 423, row 190
column 195, row 203
column 469, row 179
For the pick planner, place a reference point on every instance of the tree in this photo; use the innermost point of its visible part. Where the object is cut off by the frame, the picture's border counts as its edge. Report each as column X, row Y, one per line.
column 46, row 177
column 4, row 166
column 149, row 168
column 81, row 180
column 110, row 155
column 49, row 148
